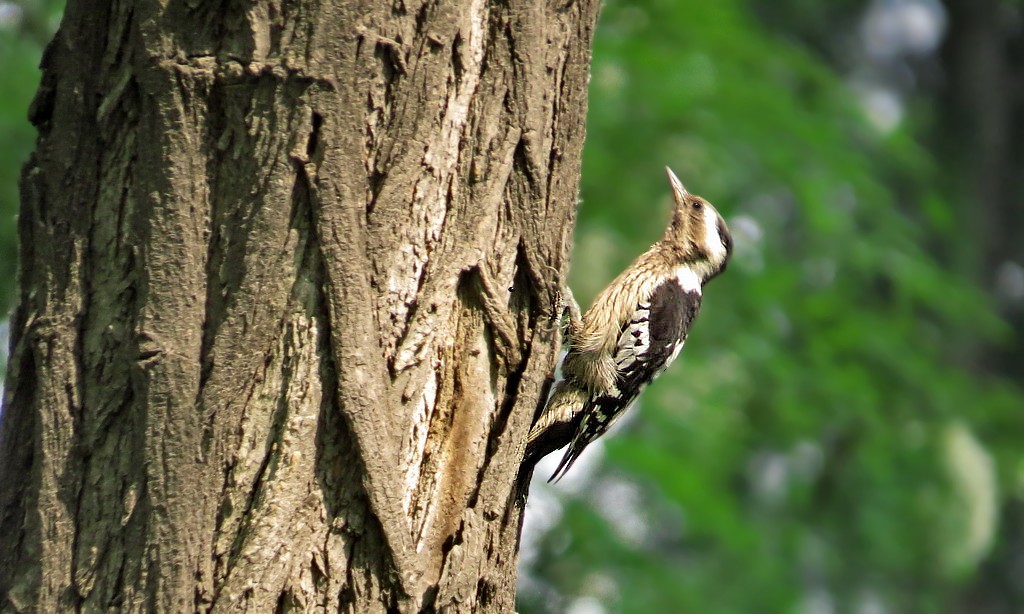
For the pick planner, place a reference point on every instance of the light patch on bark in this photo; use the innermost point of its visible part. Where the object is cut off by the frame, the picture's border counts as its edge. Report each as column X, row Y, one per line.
column 433, row 194
column 420, row 429
column 453, row 474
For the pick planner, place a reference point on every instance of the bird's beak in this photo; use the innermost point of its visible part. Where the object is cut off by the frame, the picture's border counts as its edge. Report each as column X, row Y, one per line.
column 678, row 191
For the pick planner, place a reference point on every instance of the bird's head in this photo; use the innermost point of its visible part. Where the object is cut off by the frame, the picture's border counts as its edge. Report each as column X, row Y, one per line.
column 698, row 234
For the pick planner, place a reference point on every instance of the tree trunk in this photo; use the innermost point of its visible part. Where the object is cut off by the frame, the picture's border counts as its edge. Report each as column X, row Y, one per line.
column 287, row 282
column 981, row 130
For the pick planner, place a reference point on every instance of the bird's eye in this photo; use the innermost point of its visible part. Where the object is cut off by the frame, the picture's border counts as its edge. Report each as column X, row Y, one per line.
column 698, row 205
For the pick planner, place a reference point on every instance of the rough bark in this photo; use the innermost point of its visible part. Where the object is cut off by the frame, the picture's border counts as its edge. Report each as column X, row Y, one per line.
column 286, row 302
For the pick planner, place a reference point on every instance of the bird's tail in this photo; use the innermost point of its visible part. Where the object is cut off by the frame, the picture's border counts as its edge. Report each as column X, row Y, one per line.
column 567, row 461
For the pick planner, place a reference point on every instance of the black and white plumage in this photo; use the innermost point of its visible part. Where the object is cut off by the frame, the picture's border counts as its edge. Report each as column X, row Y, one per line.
column 634, row 330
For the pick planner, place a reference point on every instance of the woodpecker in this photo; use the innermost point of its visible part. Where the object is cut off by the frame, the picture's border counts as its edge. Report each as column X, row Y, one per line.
column 634, row 330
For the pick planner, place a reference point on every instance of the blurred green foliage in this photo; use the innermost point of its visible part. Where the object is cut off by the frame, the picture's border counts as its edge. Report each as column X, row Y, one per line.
column 25, row 28
column 822, row 445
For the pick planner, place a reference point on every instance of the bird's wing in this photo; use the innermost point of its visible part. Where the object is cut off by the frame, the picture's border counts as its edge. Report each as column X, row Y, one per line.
column 655, row 334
